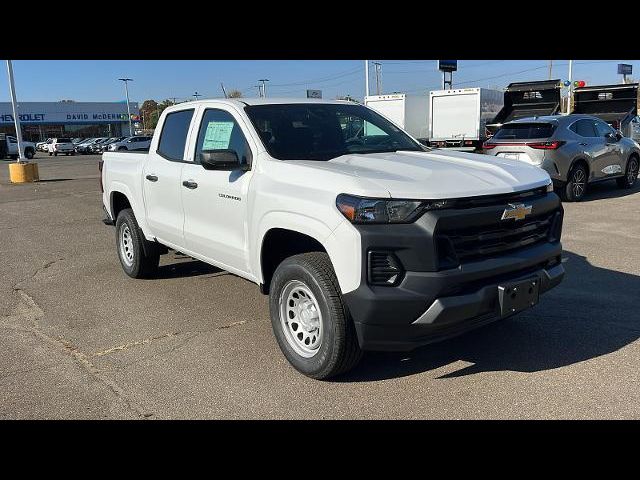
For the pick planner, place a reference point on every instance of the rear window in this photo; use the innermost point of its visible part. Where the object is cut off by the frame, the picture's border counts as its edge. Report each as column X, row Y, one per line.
column 524, row 131
column 174, row 135
column 64, row 140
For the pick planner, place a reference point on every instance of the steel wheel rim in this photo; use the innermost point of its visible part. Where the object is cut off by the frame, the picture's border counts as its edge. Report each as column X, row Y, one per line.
column 578, row 182
column 126, row 245
column 300, row 318
column 633, row 171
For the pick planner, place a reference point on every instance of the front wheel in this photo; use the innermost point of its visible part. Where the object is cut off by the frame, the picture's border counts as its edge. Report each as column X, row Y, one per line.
column 630, row 175
column 576, row 186
column 139, row 257
column 310, row 322
column 29, row 153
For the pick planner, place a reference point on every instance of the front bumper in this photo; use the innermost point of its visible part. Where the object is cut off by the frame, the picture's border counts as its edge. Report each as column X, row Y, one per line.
column 433, row 300
column 446, row 316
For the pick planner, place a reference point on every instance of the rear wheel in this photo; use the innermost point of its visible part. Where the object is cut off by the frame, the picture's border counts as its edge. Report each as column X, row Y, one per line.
column 630, row 175
column 310, row 322
column 576, row 186
column 139, row 257
column 29, row 153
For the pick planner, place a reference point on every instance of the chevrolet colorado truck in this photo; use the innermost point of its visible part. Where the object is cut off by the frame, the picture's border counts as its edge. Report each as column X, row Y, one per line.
column 363, row 238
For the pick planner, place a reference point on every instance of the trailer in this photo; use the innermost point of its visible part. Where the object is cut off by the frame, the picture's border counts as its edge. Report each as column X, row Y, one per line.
column 457, row 117
column 615, row 104
column 409, row 112
column 528, row 99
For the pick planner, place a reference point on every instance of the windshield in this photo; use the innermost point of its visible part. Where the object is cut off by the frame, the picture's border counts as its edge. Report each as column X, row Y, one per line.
column 308, row 131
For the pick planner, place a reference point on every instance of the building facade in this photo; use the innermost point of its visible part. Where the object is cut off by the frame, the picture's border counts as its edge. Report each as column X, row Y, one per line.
column 42, row 120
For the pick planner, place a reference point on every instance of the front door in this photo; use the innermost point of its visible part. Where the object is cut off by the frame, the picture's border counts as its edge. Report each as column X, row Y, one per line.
column 215, row 201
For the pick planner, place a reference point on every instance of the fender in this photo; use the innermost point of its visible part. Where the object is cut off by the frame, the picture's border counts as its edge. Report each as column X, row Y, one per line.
column 138, row 209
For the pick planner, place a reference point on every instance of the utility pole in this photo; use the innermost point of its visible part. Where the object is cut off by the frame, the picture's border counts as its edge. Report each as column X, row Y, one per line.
column 550, row 68
column 223, row 90
column 264, row 86
column 14, row 106
column 366, row 78
column 196, row 95
column 570, row 93
column 378, row 79
column 126, row 89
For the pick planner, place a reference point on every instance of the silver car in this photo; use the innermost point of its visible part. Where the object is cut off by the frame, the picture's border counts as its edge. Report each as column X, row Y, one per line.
column 574, row 149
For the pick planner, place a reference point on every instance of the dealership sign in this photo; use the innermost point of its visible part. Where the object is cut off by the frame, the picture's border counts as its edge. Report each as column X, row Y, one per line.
column 66, row 112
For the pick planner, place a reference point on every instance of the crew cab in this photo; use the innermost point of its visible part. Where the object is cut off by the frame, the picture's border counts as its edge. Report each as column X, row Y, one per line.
column 28, row 148
column 363, row 238
column 61, row 145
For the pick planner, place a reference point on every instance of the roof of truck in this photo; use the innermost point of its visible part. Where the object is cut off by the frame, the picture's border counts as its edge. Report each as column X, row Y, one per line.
column 551, row 118
column 260, row 101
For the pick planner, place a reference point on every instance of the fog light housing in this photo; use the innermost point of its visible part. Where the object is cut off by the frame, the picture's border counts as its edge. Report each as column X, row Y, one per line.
column 384, row 269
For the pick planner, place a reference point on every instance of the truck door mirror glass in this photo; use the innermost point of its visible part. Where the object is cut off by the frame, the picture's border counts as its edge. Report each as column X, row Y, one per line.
column 619, row 134
column 220, row 160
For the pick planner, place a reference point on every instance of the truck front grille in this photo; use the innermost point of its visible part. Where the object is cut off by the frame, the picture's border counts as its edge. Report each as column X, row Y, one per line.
column 485, row 241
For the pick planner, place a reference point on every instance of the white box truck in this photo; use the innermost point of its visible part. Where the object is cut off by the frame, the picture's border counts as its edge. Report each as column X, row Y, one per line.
column 457, row 117
column 409, row 112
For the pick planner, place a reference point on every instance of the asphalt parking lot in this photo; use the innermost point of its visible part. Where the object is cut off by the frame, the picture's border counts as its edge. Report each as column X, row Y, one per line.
column 79, row 339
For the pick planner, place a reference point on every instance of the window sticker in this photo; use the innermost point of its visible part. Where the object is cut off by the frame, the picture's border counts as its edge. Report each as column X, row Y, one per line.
column 217, row 136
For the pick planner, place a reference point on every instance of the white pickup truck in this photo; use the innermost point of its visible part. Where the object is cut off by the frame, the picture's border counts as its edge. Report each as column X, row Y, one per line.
column 363, row 241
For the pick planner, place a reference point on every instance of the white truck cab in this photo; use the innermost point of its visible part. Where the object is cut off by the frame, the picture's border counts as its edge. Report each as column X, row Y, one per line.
column 363, row 238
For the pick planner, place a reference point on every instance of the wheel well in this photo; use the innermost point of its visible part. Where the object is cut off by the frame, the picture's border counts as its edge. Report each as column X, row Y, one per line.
column 279, row 244
column 578, row 161
column 119, row 202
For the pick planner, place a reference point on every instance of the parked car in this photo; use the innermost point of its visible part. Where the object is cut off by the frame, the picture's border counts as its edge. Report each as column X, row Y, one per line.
column 97, row 145
column 78, row 140
column 61, row 145
column 83, row 147
column 131, row 143
column 104, row 145
column 28, row 148
column 367, row 242
column 575, row 150
column 42, row 146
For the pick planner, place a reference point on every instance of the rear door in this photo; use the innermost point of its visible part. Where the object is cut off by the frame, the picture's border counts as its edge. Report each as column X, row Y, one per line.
column 215, row 201
column 161, row 179
column 594, row 146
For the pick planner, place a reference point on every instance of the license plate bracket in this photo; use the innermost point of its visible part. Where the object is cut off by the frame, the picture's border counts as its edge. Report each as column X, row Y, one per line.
column 517, row 296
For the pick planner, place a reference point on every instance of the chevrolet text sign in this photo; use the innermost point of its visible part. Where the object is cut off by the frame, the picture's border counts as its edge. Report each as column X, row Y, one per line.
column 67, row 112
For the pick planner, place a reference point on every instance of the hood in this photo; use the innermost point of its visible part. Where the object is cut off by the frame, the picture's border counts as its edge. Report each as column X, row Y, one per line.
column 437, row 174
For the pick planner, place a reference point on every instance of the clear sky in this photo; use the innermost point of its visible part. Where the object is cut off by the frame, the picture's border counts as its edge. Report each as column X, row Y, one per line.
column 87, row 80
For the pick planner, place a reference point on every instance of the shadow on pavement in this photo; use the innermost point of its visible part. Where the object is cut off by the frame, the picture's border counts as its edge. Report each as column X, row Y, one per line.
column 592, row 313
column 608, row 189
column 191, row 268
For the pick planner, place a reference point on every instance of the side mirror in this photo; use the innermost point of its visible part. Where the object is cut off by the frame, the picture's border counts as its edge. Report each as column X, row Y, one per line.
column 220, row 160
column 619, row 134
column 611, row 137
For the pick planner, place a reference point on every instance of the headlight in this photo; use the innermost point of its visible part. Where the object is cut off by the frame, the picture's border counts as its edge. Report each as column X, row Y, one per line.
column 550, row 187
column 375, row 210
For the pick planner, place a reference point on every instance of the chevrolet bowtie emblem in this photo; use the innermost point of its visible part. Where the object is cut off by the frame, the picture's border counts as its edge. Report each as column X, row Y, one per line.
column 517, row 212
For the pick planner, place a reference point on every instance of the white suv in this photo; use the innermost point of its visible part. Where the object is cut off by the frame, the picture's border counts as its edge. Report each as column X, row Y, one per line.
column 61, row 145
column 131, row 143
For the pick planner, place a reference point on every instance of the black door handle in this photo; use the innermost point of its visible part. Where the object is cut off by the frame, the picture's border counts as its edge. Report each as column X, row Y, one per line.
column 152, row 178
column 190, row 184
column 583, row 144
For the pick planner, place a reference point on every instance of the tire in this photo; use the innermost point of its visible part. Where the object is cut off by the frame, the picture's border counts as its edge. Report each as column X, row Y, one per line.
column 55, row 154
column 576, row 186
column 50, row 153
column 121, row 148
column 630, row 174
column 139, row 257
column 336, row 350
column 29, row 153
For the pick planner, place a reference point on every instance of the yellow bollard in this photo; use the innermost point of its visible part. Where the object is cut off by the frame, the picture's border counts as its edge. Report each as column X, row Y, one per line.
column 24, row 172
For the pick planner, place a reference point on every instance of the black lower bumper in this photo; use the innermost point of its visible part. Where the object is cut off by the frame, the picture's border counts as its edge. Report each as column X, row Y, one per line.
column 447, row 316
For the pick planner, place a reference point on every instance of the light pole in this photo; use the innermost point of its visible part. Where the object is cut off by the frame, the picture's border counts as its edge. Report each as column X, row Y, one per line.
column 264, row 86
column 570, row 86
column 126, row 89
column 378, row 79
column 196, row 95
column 14, row 105
column 366, row 78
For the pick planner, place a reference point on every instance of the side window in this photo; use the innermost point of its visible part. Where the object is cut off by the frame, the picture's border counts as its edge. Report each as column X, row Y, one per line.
column 602, row 129
column 174, row 135
column 220, row 131
column 584, row 128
